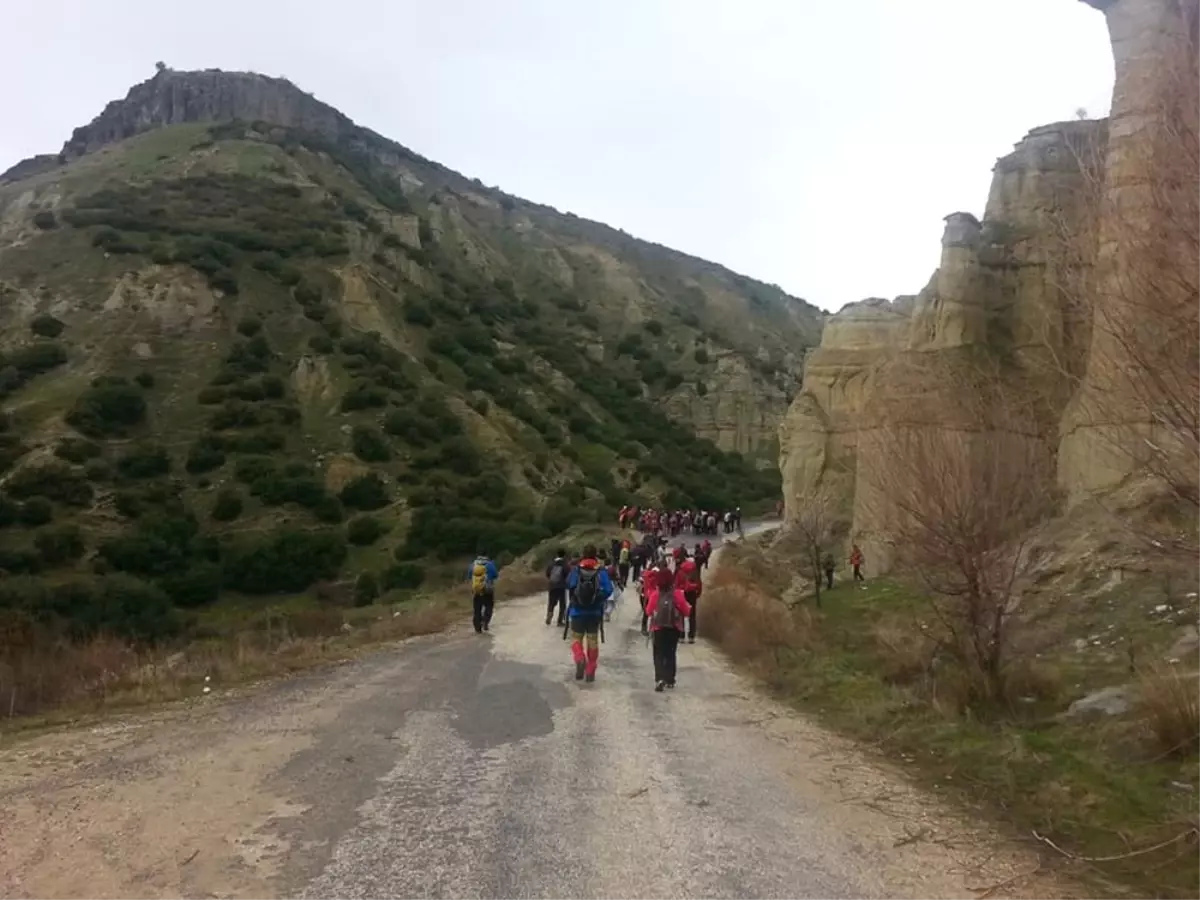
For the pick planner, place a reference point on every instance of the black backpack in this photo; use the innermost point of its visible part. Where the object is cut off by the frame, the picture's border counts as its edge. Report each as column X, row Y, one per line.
column 587, row 590
column 558, row 574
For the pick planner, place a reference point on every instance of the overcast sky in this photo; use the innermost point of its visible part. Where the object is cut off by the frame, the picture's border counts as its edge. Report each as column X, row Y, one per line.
column 816, row 144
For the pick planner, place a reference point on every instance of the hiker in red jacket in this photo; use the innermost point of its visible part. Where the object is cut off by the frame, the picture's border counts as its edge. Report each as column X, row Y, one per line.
column 666, row 608
column 687, row 580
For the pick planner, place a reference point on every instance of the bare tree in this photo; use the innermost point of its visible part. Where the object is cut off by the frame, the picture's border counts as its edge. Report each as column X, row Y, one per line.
column 957, row 502
column 818, row 519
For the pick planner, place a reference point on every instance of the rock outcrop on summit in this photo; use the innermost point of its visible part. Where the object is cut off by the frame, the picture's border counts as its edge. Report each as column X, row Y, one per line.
column 1027, row 298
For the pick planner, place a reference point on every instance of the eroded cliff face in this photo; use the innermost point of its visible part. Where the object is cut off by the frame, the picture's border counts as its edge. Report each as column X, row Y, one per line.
column 996, row 309
column 1009, row 315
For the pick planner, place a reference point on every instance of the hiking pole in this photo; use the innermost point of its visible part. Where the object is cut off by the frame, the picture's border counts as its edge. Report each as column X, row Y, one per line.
column 602, row 629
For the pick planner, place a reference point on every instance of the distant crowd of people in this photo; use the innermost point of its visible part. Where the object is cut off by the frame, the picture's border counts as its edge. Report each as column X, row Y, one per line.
column 680, row 521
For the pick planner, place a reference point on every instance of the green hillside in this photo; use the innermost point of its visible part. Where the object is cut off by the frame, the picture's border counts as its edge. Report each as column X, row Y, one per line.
column 245, row 359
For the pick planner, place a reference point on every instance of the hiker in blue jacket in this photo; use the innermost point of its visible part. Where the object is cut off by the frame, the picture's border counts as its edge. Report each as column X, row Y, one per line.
column 482, row 574
column 589, row 587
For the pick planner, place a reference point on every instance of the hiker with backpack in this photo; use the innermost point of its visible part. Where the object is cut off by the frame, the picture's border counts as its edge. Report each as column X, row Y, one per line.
column 556, row 584
column 483, row 575
column 589, row 587
column 624, row 561
column 666, row 608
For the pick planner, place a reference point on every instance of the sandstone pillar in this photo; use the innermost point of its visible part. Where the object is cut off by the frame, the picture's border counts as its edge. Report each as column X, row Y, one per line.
column 1115, row 414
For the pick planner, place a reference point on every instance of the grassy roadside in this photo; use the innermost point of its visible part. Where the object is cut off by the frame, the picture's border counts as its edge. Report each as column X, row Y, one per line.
column 238, row 644
column 1104, row 792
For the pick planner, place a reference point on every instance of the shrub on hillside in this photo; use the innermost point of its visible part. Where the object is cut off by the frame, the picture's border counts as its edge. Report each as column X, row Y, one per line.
column 284, row 562
column 369, row 445
column 198, row 585
column 51, row 480
column 149, row 461
column 45, row 325
column 367, row 492
column 249, row 326
column 205, row 455
column 76, row 450
column 364, row 395
column 144, row 379
column 57, row 545
column 36, row 511
column 403, row 576
column 365, row 530
column 45, row 220
column 109, row 408
column 228, row 505
column 366, row 589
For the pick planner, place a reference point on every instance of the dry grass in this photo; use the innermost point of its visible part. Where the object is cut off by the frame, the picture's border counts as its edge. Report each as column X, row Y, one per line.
column 905, row 653
column 751, row 626
column 44, row 679
column 1170, row 710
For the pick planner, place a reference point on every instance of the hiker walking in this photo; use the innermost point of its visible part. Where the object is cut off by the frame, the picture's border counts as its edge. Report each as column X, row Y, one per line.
column 589, row 587
column 556, row 585
column 483, row 575
column 624, row 562
column 856, row 561
column 687, row 580
column 666, row 608
column 827, row 564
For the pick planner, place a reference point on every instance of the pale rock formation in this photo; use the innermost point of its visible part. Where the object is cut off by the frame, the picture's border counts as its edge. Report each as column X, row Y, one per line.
column 1000, row 305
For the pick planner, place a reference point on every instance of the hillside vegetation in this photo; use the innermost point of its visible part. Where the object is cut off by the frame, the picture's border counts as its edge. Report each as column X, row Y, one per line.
column 245, row 360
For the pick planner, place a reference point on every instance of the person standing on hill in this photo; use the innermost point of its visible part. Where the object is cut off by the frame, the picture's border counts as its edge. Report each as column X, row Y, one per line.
column 589, row 587
column 624, row 561
column 856, row 562
column 666, row 609
column 556, row 583
column 482, row 574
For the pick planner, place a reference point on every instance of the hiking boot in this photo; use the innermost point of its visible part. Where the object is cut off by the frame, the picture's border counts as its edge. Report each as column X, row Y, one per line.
column 579, row 671
column 590, row 677
column 670, row 685
column 658, row 687
column 548, row 620
column 691, row 640
column 486, row 626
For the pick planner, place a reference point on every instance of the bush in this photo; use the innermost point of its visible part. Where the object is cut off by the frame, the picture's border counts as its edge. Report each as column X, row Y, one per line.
column 701, row 389
column 416, row 313
column 196, row 586
column 321, row 343
column 59, row 545
column 403, row 576
column 211, row 395
column 366, row 589
column 144, row 379
column 53, row 481
column 76, row 450
column 108, row 409
column 45, row 325
column 249, row 326
column 367, row 492
column 228, row 505
column 364, row 395
column 133, row 609
column 672, row 381
column 145, row 462
column 701, row 355
column 365, row 530
column 45, row 220
column 369, row 445
column 284, row 562
column 329, row 510
column 36, row 511
column 205, row 455
column 654, row 327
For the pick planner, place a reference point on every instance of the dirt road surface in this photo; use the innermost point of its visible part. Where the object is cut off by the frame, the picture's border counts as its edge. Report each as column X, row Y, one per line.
column 464, row 765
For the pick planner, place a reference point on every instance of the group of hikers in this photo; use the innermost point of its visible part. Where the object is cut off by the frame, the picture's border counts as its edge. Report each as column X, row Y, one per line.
column 680, row 521
column 584, row 590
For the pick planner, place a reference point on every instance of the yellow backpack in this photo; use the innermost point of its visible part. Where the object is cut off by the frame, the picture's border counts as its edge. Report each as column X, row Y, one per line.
column 479, row 577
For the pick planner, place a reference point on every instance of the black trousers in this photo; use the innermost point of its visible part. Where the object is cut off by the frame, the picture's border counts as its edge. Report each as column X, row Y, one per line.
column 623, row 572
column 694, row 599
column 858, row 575
column 637, row 569
column 829, row 578
column 484, row 604
column 665, row 642
column 558, row 598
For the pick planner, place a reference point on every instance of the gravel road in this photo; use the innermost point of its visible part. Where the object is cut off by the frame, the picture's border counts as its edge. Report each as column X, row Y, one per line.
column 463, row 765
